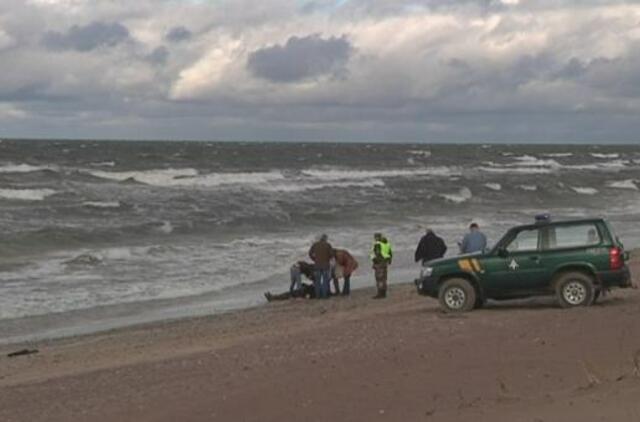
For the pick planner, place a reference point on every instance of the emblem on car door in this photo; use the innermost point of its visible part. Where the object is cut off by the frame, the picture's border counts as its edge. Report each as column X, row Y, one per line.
column 514, row 265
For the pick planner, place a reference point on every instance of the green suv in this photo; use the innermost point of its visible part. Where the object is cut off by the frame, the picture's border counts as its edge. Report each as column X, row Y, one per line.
column 575, row 260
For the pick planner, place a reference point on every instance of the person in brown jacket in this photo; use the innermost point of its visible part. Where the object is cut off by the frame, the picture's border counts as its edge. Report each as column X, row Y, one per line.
column 346, row 264
column 321, row 253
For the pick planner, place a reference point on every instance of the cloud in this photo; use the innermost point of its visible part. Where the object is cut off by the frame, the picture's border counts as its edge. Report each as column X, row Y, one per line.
column 301, row 58
column 309, row 69
column 159, row 55
column 88, row 37
column 178, row 34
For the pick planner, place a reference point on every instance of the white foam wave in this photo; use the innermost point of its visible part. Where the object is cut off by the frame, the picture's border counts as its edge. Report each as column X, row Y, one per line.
column 99, row 204
column 26, row 194
column 529, row 160
column 420, row 152
column 104, row 164
column 301, row 186
column 338, row 174
column 623, row 184
column 462, row 196
column 584, row 190
column 222, row 179
column 21, row 168
column 493, row 186
column 516, row 170
column 558, row 154
column 190, row 177
column 605, row 156
column 166, row 227
column 607, row 166
column 529, row 188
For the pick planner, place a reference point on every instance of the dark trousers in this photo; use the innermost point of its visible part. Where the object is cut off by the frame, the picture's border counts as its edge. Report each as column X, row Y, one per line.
column 321, row 283
column 346, row 287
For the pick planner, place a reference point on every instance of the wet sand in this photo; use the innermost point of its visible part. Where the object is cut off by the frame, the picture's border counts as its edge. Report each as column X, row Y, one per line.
column 345, row 359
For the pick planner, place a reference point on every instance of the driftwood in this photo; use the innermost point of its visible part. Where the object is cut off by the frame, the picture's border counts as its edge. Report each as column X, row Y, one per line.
column 22, row 352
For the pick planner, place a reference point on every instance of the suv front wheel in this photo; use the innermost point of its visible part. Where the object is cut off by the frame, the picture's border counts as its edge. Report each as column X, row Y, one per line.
column 575, row 289
column 457, row 295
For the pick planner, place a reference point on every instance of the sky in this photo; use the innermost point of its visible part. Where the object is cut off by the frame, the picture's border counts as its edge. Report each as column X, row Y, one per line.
column 551, row 71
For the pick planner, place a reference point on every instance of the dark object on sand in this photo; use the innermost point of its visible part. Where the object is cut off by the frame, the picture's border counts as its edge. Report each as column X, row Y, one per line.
column 23, row 352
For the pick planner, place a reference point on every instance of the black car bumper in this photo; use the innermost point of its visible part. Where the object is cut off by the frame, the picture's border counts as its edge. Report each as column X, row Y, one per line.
column 615, row 278
column 427, row 286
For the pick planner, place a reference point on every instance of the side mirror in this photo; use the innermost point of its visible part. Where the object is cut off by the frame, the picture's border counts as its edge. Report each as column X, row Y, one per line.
column 503, row 253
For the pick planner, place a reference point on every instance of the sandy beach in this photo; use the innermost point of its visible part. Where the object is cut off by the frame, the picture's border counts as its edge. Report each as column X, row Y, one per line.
column 345, row 359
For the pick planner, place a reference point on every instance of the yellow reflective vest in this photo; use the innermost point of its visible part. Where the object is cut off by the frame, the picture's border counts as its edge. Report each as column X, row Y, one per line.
column 385, row 249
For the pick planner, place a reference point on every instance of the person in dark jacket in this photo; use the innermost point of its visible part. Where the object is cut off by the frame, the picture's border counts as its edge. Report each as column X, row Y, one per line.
column 299, row 269
column 431, row 247
column 306, row 291
column 321, row 252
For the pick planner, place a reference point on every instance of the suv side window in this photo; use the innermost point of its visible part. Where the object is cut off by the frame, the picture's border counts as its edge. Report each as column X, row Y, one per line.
column 575, row 236
column 525, row 241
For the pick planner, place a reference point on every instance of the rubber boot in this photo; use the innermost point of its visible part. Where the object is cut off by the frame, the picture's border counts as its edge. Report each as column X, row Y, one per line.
column 379, row 295
column 336, row 286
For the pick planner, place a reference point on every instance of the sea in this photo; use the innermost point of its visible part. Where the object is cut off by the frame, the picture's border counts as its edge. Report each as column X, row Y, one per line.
column 96, row 235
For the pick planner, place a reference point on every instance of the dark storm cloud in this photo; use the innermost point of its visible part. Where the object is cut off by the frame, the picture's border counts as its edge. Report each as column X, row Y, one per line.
column 88, row 37
column 300, row 58
column 159, row 55
column 178, row 34
column 31, row 92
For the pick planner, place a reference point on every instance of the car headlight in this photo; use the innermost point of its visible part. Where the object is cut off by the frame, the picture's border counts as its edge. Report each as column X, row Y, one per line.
column 426, row 272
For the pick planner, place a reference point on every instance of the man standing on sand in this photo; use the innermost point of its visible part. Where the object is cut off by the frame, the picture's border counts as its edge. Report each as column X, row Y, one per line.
column 430, row 247
column 346, row 264
column 321, row 253
column 381, row 256
column 474, row 241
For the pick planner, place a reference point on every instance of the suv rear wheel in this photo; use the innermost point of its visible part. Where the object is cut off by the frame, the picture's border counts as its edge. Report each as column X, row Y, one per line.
column 457, row 295
column 575, row 289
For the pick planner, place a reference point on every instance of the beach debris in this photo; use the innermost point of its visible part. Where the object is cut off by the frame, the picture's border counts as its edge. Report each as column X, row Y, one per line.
column 592, row 377
column 22, row 352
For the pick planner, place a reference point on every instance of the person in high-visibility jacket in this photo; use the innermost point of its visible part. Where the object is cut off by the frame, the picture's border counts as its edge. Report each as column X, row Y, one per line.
column 381, row 256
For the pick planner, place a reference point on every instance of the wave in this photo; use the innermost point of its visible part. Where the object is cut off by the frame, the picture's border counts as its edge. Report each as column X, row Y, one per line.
column 337, row 174
column 607, row 166
column 302, row 187
column 99, row 204
column 531, row 165
column 420, row 152
column 493, row 186
column 558, row 154
column 189, row 177
column 104, row 164
column 463, row 195
column 22, row 168
column 528, row 188
column 623, row 184
column 163, row 177
column 605, row 156
column 26, row 194
column 516, row 170
column 584, row 190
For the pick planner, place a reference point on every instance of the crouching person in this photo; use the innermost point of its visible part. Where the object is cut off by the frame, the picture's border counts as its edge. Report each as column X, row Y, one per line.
column 346, row 264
